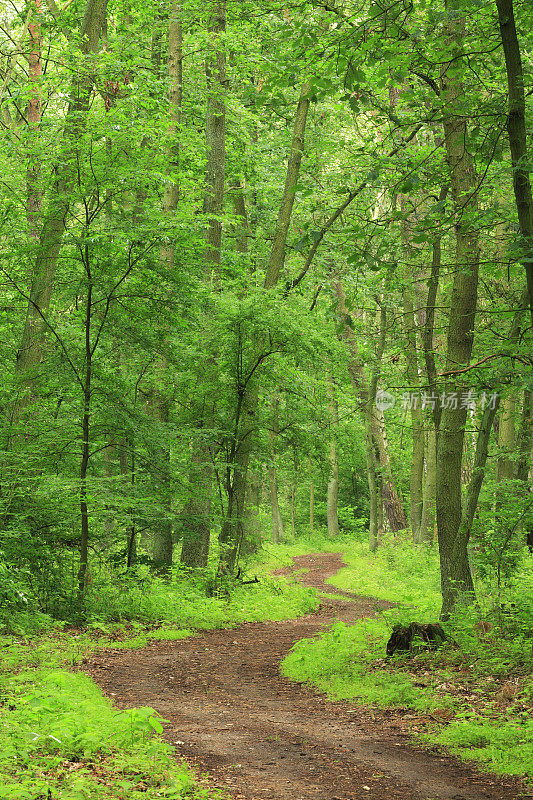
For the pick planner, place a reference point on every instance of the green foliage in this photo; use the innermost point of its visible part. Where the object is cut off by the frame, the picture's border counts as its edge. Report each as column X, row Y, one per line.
column 61, row 736
column 339, row 663
column 504, row 746
column 489, row 653
column 505, row 510
column 397, row 571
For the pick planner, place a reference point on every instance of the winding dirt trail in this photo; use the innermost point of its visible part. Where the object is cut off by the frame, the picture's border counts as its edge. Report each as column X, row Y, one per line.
column 263, row 737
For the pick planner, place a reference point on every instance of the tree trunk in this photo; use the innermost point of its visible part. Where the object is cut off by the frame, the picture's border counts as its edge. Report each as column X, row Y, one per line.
column 456, row 578
column 374, row 422
column 215, row 128
column 417, row 421
column 476, row 481
column 427, row 524
column 215, row 135
column 277, row 255
column 161, row 405
column 506, row 440
column 525, row 450
column 33, row 172
column 250, row 400
column 278, row 529
column 30, row 351
column 197, row 514
column 311, row 497
column 333, row 482
column 516, row 128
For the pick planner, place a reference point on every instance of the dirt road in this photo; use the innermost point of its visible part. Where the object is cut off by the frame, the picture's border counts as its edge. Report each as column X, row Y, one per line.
column 263, row 737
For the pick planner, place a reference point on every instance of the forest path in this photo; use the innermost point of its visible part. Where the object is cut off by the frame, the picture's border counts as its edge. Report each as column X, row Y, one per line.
column 263, row 737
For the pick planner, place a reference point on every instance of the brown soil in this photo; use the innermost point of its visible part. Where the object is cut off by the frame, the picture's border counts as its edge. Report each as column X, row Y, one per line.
column 260, row 736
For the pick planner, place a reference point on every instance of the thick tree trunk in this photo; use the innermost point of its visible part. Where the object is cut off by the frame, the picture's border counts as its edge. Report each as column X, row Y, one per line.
column 197, row 514
column 215, row 135
column 516, row 128
column 161, row 405
column 456, row 578
column 30, row 351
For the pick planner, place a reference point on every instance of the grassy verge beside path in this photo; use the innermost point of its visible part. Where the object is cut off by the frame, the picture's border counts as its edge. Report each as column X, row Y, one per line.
column 475, row 695
column 61, row 738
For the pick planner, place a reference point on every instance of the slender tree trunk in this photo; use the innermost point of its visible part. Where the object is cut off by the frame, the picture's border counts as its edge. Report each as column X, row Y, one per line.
column 516, row 128
column 278, row 528
column 277, row 255
column 427, row 524
column 525, row 450
column 311, row 497
column 374, row 425
column 506, row 440
column 476, row 481
column 252, row 527
column 85, row 447
column 417, row 421
column 251, row 399
column 333, row 482
column 215, row 137
column 197, row 513
column 372, row 479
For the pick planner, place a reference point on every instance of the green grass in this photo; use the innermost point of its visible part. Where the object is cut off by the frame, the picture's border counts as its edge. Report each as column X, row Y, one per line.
column 59, row 734
column 60, row 737
column 349, row 662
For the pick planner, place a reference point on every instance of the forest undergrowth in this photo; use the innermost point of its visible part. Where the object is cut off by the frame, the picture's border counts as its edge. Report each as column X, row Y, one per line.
column 60, row 737
column 474, row 695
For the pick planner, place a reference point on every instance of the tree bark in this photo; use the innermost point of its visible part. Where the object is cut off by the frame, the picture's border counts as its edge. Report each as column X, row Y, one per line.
column 278, row 528
column 427, row 524
column 333, row 482
column 250, row 399
column 506, row 440
column 277, row 255
column 34, row 113
column 311, row 497
column 30, row 351
column 417, row 421
column 516, row 128
column 456, row 578
column 161, row 405
column 215, row 135
column 374, row 422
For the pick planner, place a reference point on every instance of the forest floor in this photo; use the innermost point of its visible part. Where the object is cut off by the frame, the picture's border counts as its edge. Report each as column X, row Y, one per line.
column 259, row 736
